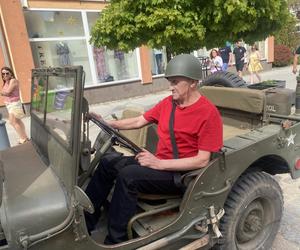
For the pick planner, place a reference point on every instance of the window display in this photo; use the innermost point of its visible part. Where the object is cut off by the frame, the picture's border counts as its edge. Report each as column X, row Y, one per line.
column 112, row 65
column 58, row 53
column 158, row 61
column 61, row 38
column 101, row 65
column 115, row 65
column 62, row 50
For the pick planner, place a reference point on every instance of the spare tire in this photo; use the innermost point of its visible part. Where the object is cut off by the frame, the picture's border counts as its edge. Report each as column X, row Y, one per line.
column 224, row 79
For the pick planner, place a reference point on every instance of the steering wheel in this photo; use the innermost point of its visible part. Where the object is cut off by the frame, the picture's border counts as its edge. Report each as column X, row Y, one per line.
column 117, row 138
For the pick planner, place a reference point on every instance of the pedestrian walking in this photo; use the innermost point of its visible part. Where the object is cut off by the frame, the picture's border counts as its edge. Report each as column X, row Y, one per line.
column 240, row 56
column 295, row 61
column 11, row 94
column 226, row 55
column 254, row 65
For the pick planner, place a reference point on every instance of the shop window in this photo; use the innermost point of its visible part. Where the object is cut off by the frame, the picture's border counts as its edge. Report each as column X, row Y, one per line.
column 61, row 53
column 262, row 49
column 112, row 65
column 46, row 24
column 92, row 18
column 61, row 38
column 158, row 61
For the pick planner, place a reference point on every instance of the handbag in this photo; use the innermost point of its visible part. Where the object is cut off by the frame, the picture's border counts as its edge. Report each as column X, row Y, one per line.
column 24, row 109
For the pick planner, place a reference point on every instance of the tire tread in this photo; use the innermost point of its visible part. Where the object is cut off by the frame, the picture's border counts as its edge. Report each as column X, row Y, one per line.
column 244, row 184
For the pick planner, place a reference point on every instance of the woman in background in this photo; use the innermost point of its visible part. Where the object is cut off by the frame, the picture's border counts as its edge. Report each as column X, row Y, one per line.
column 216, row 62
column 11, row 94
column 254, row 65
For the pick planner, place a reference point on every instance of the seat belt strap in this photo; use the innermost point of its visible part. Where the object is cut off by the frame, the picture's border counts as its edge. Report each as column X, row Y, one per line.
column 176, row 175
column 172, row 135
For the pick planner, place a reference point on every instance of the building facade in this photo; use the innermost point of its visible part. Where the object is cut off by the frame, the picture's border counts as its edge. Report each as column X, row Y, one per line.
column 44, row 33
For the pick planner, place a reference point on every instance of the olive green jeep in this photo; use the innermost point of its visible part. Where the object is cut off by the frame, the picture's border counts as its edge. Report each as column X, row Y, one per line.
column 233, row 203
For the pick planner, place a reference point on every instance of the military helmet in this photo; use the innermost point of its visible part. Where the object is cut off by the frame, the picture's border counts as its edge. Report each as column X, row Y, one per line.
column 184, row 65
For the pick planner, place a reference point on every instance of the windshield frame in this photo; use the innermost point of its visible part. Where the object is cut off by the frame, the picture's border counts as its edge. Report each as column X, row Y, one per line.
column 42, row 116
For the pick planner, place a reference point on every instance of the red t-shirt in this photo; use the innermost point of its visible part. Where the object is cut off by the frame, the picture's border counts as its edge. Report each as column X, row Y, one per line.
column 196, row 127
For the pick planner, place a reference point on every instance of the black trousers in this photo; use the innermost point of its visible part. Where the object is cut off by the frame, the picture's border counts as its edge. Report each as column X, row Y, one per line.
column 130, row 178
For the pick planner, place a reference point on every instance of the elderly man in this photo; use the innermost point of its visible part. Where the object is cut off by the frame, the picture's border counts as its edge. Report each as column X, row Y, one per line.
column 189, row 129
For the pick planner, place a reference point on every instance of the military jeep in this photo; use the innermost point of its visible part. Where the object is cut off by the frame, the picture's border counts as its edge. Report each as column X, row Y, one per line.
column 233, row 203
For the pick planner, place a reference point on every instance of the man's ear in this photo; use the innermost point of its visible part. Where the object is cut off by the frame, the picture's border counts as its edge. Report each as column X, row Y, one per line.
column 194, row 84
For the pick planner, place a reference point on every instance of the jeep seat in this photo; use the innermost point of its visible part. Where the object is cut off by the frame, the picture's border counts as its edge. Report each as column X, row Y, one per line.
column 138, row 136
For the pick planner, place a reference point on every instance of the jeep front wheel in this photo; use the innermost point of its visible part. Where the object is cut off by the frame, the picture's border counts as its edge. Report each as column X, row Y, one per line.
column 253, row 211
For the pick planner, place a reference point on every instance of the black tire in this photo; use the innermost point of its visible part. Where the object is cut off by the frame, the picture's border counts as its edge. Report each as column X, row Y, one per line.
column 224, row 79
column 256, row 198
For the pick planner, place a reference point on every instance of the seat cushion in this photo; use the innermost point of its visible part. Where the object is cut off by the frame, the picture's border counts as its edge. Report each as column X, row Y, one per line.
column 248, row 100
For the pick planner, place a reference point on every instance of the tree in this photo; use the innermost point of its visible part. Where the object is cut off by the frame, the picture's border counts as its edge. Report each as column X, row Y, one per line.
column 183, row 26
column 288, row 34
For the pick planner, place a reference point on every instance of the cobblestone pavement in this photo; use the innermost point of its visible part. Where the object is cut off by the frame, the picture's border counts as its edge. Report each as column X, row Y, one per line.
column 288, row 237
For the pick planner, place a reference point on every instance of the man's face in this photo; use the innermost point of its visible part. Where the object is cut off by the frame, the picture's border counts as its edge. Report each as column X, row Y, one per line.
column 180, row 87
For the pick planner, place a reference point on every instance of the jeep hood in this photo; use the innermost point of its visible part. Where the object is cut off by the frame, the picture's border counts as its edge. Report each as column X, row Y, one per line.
column 33, row 199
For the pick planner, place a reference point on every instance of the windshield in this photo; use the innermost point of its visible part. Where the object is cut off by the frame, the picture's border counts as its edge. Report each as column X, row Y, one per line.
column 52, row 103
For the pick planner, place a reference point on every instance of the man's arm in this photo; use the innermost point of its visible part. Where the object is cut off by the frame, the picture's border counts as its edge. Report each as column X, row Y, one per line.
column 295, row 63
column 129, row 123
column 230, row 58
column 245, row 55
column 145, row 158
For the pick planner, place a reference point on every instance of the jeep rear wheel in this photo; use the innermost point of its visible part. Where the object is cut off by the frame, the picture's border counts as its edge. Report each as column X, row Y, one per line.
column 224, row 79
column 253, row 211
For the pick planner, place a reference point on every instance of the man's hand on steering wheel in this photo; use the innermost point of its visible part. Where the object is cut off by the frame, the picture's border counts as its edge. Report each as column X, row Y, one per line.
column 95, row 115
column 147, row 159
column 115, row 135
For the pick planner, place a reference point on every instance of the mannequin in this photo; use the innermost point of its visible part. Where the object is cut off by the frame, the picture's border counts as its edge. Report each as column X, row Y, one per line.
column 120, row 59
column 63, row 51
column 101, row 65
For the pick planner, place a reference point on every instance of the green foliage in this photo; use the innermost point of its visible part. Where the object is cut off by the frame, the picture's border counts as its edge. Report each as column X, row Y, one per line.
column 187, row 25
column 288, row 35
column 282, row 56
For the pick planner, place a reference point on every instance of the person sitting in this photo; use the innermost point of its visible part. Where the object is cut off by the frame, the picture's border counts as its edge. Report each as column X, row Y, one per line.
column 182, row 146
